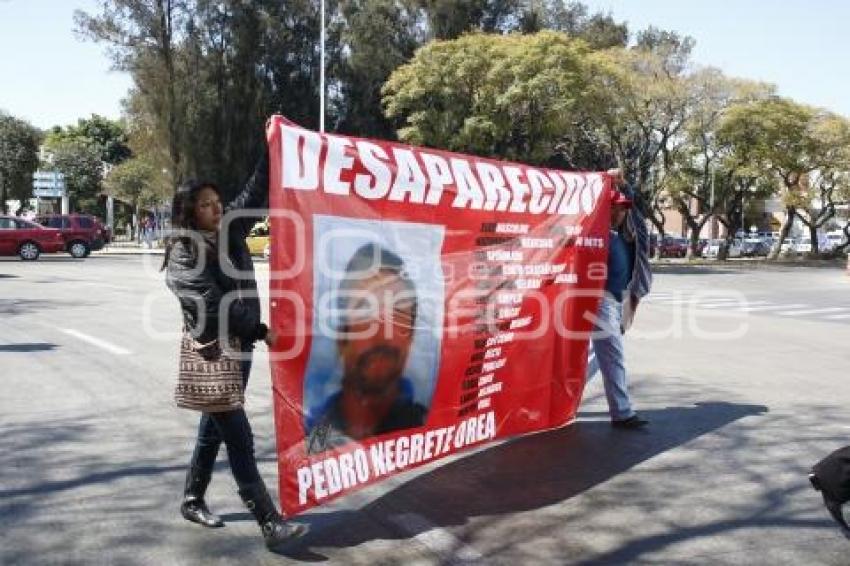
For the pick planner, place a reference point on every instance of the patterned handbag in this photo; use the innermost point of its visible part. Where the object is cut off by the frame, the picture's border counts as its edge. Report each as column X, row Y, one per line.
column 211, row 383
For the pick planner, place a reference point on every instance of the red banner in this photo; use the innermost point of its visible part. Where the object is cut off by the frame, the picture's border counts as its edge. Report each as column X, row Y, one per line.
column 427, row 302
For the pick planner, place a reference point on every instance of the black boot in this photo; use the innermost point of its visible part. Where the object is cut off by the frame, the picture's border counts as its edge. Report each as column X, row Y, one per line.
column 276, row 530
column 193, row 507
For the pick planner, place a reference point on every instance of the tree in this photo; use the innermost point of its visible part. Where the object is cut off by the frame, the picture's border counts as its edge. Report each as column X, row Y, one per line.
column 639, row 102
column 823, row 189
column 675, row 49
column 508, row 97
column 109, row 137
column 379, row 35
column 142, row 34
column 449, row 19
column 79, row 161
column 777, row 136
column 18, row 159
column 137, row 182
column 697, row 177
column 208, row 74
column 599, row 30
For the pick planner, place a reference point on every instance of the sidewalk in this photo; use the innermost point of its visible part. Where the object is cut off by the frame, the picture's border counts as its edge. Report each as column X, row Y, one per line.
column 752, row 263
column 132, row 248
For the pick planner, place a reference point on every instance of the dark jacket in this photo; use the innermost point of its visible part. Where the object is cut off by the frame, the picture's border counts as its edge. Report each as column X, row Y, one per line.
column 204, row 288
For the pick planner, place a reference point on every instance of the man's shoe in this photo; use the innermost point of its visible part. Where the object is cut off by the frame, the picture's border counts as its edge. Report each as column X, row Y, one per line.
column 634, row 422
column 834, row 507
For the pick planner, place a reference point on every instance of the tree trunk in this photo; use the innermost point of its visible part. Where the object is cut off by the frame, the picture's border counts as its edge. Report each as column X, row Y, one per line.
column 137, row 236
column 723, row 252
column 813, row 234
column 694, row 245
column 790, row 212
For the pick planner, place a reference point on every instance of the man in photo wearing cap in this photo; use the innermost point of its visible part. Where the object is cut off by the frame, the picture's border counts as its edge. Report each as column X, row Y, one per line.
column 629, row 279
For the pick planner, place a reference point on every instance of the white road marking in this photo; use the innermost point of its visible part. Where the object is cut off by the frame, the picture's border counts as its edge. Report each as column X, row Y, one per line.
column 738, row 305
column 438, row 540
column 111, row 348
column 674, row 302
column 838, row 316
column 811, row 311
column 772, row 307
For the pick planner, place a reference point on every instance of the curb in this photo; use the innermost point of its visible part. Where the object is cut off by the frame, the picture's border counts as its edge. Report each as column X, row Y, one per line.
column 839, row 263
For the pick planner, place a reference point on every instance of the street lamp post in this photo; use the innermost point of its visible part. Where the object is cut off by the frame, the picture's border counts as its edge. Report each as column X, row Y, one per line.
column 322, row 69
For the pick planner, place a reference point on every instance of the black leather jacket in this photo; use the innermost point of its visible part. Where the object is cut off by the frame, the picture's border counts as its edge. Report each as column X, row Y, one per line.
column 200, row 291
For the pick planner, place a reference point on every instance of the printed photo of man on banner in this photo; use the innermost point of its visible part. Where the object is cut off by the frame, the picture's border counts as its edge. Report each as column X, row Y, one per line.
column 378, row 289
column 445, row 300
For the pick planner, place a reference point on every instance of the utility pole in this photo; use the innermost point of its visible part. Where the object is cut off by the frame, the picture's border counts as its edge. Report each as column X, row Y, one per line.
column 322, row 70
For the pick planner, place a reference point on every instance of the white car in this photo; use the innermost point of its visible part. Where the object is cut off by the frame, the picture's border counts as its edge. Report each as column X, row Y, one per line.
column 789, row 246
column 833, row 240
column 804, row 246
column 712, row 249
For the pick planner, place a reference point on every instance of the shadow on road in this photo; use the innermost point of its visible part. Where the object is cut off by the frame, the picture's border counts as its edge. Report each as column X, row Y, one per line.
column 526, row 473
column 34, row 347
column 23, row 307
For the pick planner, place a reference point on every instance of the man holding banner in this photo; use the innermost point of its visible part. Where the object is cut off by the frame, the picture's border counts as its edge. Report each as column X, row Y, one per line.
column 628, row 280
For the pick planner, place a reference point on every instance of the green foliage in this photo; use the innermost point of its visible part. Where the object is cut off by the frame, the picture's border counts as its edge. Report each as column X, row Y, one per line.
column 540, row 81
column 599, row 30
column 138, row 182
column 775, row 135
column 79, row 161
column 109, row 137
column 502, row 96
column 380, row 36
column 18, row 159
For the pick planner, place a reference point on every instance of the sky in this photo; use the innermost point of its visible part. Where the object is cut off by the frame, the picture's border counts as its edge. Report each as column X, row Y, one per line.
column 49, row 76
column 802, row 46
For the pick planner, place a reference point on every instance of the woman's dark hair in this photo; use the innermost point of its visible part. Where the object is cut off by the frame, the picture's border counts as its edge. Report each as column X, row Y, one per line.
column 183, row 215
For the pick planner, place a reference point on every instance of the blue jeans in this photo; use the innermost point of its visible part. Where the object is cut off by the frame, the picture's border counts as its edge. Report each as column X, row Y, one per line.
column 232, row 428
column 608, row 356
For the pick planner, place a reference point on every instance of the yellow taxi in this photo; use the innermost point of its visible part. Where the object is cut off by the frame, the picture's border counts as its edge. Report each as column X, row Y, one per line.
column 258, row 239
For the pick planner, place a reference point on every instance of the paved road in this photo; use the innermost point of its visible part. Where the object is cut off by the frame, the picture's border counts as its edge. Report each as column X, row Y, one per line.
column 741, row 403
column 796, row 293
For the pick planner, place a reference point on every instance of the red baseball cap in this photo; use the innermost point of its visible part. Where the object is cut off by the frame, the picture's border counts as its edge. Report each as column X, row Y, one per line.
column 619, row 198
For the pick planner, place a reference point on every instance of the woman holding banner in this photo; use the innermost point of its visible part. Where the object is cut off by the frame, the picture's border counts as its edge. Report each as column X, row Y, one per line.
column 202, row 261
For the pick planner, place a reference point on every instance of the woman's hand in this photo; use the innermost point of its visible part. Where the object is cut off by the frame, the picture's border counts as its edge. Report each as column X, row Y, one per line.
column 271, row 337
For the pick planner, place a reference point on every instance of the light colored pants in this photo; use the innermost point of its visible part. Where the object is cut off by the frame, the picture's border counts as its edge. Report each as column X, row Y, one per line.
column 607, row 355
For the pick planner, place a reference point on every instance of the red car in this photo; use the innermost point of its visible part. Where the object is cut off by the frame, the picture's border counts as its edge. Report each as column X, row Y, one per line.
column 82, row 233
column 27, row 239
column 673, row 247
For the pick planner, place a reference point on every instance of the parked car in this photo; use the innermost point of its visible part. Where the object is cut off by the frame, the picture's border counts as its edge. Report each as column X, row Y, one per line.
column 833, row 240
column 28, row 240
column 755, row 247
column 789, row 246
column 712, row 250
column 258, row 238
column 82, row 233
column 673, row 247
